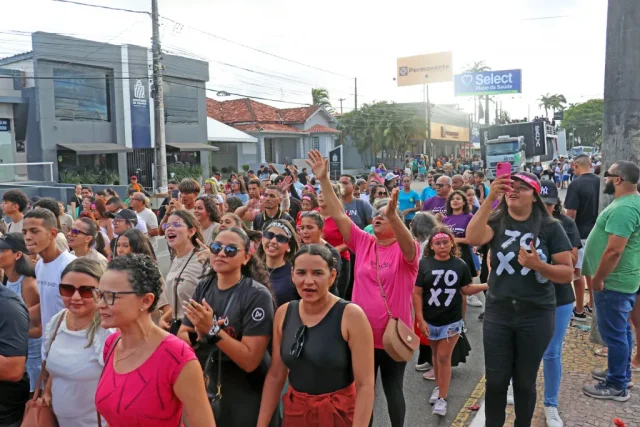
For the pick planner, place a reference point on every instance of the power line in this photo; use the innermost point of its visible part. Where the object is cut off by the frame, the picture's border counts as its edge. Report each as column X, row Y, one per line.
column 105, row 7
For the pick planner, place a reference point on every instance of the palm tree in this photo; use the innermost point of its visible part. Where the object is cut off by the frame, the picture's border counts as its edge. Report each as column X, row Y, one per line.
column 479, row 67
column 558, row 102
column 320, row 96
column 546, row 102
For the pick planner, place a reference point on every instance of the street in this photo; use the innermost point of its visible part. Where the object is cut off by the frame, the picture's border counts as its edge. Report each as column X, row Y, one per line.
column 464, row 377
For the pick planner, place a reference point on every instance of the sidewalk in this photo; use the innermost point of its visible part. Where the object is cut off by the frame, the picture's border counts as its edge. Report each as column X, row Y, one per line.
column 576, row 409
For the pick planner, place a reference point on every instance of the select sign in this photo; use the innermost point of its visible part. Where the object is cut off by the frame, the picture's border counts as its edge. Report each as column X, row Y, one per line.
column 488, row 83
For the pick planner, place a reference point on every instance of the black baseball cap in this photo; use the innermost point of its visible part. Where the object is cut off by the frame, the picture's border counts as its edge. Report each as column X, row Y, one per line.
column 548, row 192
column 128, row 215
column 13, row 241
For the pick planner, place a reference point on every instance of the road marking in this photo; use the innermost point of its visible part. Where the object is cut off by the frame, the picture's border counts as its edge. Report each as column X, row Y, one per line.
column 480, row 418
column 463, row 417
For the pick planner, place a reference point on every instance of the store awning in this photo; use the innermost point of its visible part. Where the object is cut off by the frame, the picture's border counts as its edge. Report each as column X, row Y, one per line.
column 95, row 148
column 219, row 132
column 192, row 146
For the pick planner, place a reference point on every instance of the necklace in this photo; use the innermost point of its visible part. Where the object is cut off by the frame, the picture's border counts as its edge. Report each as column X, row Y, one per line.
column 76, row 328
column 116, row 361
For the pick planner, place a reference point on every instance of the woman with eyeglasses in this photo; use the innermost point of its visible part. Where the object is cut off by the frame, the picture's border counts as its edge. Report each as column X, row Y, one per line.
column 238, row 189
column 86, row 203
column 332, row 235
column 311, row 231
column 442, row 278
column 182, row 232
column 378, row 192
column 230, row 319
column 86, row 241
column 20, row 277
column 150, row 377
column 529, row 252
column 74, row 354
column 207, row 213
column 389, row 259
column 324, row 346
column 279, row 245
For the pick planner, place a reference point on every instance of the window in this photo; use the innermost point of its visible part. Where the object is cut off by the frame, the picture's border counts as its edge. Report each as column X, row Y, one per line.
column 180, row 102
column 315, row 143
column 81, row 95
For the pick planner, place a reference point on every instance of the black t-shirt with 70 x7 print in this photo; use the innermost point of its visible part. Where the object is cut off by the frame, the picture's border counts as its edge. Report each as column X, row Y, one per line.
column 508, row 279
column 441, row 282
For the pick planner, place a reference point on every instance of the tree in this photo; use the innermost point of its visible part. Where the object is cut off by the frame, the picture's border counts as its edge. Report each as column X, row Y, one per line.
column 383, row 129
column 480, row 67
column 585, row 121
column 546, row 102
column 320, row 96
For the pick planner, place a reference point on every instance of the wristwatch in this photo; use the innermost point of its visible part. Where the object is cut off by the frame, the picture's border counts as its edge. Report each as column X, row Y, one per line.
column 213, row 336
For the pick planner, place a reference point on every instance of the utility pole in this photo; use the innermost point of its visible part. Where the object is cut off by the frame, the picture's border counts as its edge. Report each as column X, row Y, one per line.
column 158, row 98
column 429, row 125
column 486, row 110
column 355, row 80
column 341, row 99
column 620, row 136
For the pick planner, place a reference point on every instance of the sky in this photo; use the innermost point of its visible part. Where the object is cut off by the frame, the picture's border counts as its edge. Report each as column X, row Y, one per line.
column 558, row 44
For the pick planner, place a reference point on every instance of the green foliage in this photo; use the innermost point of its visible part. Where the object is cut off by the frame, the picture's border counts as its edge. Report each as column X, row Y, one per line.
column 90, row 176
column 552, row 102
column 320, row 96
column 180, row 172
column 383, row 130
column 245, row 168
column 585, row 122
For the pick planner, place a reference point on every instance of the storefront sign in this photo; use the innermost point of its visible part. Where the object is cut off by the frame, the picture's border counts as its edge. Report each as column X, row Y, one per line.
column 488, row 83
column 425, row 69
column 5, row 125
column 449, row 132
column 140, row 118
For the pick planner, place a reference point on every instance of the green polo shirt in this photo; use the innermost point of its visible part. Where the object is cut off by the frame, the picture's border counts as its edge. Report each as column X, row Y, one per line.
column 621, row 218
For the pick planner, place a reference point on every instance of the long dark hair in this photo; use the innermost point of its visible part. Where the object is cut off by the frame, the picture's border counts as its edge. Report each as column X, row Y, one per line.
column 455, row 250
column 96, row 235
column 293, row 240
column 254, row 269
column 211, row 206
column 23, row 266
column 191, row 222
column 319, row 250
column 138, row 242
column 465, row 205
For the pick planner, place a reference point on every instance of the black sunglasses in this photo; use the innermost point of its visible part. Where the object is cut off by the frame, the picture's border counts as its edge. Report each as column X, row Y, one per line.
column 229, row 250
column 85, row 292
column 612, row 175
column 74, row 232
column 298, row 343
column 381, row 193
column 280, row 238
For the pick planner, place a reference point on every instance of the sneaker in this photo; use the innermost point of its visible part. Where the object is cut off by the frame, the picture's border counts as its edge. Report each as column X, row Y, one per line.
column 464, row 327
column 423, row 367
column 580, row 317
column 481, row 316
column 435, row 394
column 603, row 391
column 474, row 301
column 588, row 309
column 510, row 400
column 440, row 407
column 552, row 417
column 601, row 375
column 430, row 375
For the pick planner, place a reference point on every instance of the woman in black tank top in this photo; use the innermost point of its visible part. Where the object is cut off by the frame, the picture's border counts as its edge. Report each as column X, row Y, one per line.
column 315, row 342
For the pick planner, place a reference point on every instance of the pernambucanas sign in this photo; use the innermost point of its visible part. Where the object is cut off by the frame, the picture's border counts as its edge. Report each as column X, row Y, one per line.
column 425, row 69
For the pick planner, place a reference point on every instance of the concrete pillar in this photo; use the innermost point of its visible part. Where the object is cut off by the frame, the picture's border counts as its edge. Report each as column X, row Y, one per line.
column 300, row 152
column 205, row 164
column 260, row 156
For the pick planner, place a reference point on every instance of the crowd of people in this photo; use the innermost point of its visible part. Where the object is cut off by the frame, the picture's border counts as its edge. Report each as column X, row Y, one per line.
column 285, row 292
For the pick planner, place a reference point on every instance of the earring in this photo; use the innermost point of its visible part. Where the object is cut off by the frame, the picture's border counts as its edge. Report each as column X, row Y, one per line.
column 141, row 308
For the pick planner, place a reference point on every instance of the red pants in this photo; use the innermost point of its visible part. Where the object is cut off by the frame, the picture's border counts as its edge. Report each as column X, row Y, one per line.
column 322, row 410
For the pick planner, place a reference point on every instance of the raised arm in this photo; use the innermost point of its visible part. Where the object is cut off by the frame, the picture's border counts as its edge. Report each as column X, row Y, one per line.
column 320, row 168
column 402, row 233
column 478, row 232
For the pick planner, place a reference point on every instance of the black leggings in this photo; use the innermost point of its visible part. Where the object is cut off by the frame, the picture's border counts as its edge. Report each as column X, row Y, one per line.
column 345, row 276
column 515, row 338
column 392, row 376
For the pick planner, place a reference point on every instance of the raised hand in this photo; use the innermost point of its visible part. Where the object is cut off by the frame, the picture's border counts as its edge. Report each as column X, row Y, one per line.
column 499, row 186
column 318, row 165
column 392, row 207
column 286, row 183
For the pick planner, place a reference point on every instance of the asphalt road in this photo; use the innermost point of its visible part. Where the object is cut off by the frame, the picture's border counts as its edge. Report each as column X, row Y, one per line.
column 464, row 378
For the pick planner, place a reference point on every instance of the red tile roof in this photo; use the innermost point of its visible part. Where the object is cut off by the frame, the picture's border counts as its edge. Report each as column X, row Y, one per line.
column 247, row 110
column 266, row 127
column 321, row 129
column 297, row 115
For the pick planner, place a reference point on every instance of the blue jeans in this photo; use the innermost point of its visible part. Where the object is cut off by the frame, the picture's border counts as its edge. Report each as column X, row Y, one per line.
column 612, row 312
column 553, row 356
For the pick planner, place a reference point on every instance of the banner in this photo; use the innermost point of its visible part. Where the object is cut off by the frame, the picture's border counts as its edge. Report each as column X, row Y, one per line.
column 533, row 133
column 5, row 125
column 425, row 69
column 140, row 118
column 449, row 132
column 335, row 163
column 488, row 83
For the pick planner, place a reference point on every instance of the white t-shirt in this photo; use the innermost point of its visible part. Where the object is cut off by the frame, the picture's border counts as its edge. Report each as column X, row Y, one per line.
column 151, row 221
column 15, row 227
column 48, row 277
column 75, row 371
column 95, row 256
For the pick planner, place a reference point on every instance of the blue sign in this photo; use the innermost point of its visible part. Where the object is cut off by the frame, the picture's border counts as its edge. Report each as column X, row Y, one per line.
column 5, row 125
column 488, row 83
column 140, row 119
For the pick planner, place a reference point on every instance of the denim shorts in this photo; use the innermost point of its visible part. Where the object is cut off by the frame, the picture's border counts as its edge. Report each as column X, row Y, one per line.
column 443, row 332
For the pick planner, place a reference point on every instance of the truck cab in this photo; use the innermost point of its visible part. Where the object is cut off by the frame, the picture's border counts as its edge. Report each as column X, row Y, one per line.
column 505, row 149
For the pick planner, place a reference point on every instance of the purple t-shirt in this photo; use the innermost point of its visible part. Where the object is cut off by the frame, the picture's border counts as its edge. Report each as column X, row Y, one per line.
column 435, row 205
column 495, row 204
column 458, row 224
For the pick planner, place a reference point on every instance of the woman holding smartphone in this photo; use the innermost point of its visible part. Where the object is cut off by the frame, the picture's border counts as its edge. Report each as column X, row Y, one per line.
column 529, row 252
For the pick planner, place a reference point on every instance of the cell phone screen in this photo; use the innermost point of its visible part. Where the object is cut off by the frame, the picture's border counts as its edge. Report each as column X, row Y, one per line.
column 175, row 194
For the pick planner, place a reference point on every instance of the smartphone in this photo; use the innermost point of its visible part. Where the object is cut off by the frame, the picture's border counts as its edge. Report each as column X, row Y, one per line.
column 175, row 194
column 503, row 168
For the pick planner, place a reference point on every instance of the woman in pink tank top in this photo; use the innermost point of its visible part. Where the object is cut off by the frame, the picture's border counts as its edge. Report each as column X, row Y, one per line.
column 149, row 375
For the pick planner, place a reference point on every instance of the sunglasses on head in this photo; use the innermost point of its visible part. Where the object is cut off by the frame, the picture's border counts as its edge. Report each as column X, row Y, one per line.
column 280, row 238
column 229, row 250
column 85, row 292
column 298, row 343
